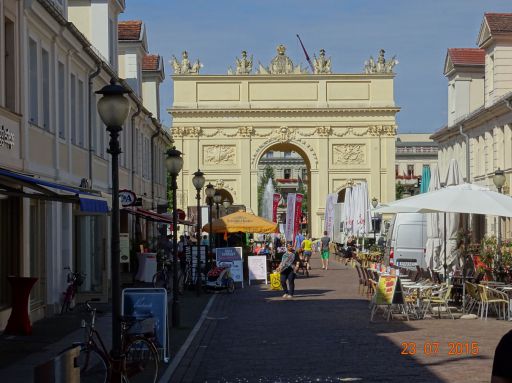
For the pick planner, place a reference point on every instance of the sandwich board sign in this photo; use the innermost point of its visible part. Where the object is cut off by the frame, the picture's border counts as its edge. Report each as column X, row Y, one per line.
column 231, row 257
column 257, row 265
column 149, row 303
column 388, row 292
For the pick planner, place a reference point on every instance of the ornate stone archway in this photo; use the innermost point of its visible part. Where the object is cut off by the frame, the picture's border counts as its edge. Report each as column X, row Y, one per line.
column 343, row 124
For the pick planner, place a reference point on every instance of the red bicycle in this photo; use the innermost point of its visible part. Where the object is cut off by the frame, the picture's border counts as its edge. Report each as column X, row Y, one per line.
column 75, row 280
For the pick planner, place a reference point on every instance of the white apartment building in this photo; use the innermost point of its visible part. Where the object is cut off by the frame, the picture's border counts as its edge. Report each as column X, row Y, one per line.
column 479, row 130
column 54, row 166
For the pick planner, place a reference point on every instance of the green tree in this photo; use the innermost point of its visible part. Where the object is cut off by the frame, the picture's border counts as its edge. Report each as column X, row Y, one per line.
column 268, row 173
column 399, row 190
column 302, row 190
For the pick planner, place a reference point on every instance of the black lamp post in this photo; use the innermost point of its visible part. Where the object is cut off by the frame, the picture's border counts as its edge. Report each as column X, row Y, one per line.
column 198, row 182
column 113, row 109
column 499, row 180
column 174, row 163
column 375, row 202
column 210, row 192
column 217, row 199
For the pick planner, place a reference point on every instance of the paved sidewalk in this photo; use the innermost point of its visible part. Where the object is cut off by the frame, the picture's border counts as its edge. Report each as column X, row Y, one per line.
column 324, row 335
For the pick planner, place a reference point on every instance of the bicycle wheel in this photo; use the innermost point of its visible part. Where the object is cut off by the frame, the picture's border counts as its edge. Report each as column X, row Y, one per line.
column 141, row 362
column 160, row 280
column 93, row 366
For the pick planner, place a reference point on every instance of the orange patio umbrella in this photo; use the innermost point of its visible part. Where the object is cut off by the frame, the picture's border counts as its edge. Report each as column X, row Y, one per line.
column 241, row 222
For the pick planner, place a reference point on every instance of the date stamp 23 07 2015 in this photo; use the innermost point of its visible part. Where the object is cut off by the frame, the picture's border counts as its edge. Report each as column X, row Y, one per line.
column 439, row 348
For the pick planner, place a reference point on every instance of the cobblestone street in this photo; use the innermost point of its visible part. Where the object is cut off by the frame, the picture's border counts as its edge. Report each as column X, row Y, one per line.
column 324, row 335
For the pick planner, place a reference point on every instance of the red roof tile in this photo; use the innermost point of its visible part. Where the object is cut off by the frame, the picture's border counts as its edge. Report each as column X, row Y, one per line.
column 151, row 62
column 499, row 22
column 129, row 30
column 467, row 56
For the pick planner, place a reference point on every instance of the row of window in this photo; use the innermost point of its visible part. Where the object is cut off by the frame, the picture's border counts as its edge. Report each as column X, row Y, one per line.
column 410, row 170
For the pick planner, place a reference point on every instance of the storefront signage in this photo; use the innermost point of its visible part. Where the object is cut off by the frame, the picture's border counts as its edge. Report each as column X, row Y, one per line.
column 6, row 138
column 124, row 245
column 127, row 198
column 228, row 254
column 152, row 303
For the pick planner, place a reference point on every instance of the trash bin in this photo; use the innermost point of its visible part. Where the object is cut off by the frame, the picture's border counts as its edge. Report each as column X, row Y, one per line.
column 61, row 369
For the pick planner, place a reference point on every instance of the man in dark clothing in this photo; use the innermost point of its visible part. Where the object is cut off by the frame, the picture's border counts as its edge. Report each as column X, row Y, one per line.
column 325, row 240
column 501, row 367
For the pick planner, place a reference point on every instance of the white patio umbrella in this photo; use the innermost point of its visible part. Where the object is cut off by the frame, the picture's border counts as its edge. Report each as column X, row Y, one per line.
column 347, row 209
column 452, row 222
column 433, row 246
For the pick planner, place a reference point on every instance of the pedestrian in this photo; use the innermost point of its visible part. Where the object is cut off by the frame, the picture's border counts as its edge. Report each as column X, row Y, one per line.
column 287, row 272
column 501, row 371
column 204, row 241
column 307, row 248
column 325, row 240
column 298, row 241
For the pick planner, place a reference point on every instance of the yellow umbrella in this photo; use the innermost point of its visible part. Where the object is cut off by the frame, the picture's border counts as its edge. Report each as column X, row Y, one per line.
column 241, row 221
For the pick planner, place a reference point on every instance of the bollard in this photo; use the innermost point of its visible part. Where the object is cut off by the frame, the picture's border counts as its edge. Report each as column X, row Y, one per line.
column 61, row 369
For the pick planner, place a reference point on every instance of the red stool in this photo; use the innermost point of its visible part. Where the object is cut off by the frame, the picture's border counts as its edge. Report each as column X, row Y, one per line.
column 19, row 321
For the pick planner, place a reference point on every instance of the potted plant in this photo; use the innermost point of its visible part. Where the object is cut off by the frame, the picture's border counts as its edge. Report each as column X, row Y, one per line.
column 488, row 251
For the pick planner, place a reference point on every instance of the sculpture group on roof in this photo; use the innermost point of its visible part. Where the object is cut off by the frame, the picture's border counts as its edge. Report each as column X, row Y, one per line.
column 281, row 64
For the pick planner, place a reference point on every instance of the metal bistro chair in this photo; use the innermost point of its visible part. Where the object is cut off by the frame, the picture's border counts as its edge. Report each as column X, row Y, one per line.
column 441, row 298
column 494, row 297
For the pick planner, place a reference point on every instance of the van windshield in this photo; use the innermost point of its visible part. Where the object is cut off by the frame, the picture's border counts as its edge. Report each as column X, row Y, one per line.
column 410, row 236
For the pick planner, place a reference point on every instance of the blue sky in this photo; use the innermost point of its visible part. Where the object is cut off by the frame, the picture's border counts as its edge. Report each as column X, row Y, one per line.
column 417, row 31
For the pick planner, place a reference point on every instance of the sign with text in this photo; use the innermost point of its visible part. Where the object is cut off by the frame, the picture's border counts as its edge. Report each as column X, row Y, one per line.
column 237, row 271
column 149, row 303
column 127, row 198
column 257, row 265
column 228, row 254
column 124, row 247
column 389, row 291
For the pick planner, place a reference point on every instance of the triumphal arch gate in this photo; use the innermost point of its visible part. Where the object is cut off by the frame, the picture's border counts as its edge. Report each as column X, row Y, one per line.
column 343, row 125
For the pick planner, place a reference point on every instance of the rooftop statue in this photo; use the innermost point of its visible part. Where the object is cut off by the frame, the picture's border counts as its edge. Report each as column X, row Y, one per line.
column 281, row 64
column 321, row 64
column 381, row 66
column 243, row 65
column 185, row 67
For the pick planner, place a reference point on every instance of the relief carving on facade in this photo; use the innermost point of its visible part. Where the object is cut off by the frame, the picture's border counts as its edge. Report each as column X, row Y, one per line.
column 281, row 64
column 349, row 154
column 219, row 154
column 382, row 130
column 245, row 131
column 184, row 131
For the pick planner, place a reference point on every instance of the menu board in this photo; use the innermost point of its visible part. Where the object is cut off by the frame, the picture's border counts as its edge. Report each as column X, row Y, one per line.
column 389, row 291
column 257, row 268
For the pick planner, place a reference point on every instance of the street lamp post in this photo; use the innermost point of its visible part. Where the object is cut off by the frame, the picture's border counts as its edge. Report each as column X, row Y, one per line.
column 375, row 202
column 174, row 163
column 198, row 182
column 226, row 203
column 210, row 192
column 113, row 109
column 217, row 199
column 499, row 180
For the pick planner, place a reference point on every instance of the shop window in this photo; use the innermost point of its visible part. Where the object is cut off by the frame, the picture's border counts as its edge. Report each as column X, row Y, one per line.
column 90, row 240
column 61, row 95
column 10, row 65
column 32, row 82
column 9, row 245
column 38, row 235
column 45, row 63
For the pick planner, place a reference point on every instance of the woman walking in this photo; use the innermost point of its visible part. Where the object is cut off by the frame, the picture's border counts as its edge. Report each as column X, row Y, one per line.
column 287, row 272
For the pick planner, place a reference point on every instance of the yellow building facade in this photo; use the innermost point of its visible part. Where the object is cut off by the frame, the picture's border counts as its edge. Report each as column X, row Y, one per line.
column 343, row 125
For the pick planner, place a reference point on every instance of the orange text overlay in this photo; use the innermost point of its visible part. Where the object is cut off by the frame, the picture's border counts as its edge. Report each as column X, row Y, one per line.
column 440, row 348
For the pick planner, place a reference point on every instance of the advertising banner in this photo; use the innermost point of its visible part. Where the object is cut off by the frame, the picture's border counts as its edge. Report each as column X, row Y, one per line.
column 389, row 291
column 149, row 303
column 330, row 202
column 275, row 204
column 290, row 217
column 228, row 254
column 297, row 214
column 257, row 268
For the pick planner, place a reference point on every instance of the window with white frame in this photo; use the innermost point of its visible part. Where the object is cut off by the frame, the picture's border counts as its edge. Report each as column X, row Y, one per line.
column 138, row 146
column 32, row 84
column 81, row 114
column 72, row 101
column 491, row 72
column 61, row 102
column 9, row 64
column 45, row 63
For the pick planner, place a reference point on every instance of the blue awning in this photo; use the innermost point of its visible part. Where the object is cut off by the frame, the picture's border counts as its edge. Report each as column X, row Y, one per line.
column 89, row 202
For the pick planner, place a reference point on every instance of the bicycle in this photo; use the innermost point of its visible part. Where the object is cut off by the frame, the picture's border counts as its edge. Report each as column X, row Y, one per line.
column 138, row 361
column 75, row 280
column 163, row 278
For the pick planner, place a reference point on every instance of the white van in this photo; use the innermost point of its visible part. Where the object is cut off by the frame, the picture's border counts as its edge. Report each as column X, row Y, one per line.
column 407, row 240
